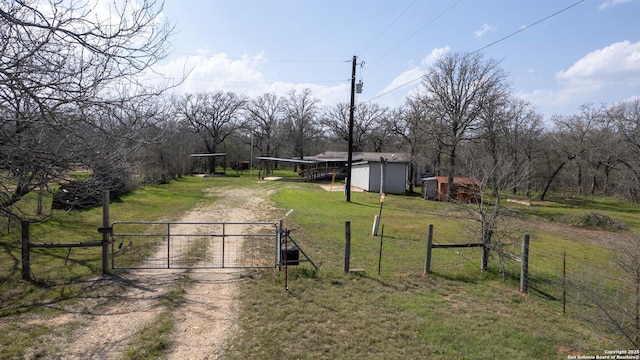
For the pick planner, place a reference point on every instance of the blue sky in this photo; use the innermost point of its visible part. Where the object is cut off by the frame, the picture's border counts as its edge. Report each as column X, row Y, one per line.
column 589, row 53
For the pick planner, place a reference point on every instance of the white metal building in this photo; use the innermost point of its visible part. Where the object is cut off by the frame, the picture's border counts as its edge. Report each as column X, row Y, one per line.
column 367, row 174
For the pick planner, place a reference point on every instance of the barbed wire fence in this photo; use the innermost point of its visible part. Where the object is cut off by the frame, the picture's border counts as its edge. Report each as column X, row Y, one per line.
column 35, row 207
column 595, row 292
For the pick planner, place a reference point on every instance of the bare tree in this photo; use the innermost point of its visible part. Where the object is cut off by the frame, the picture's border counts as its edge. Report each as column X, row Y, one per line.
column 266, row 115
column 510, row 129
column 574, row 138
column 60, row 60
column 494, row 181
column 408, row 123
column 495, row 162
column 302, row 121
column 523, row 134
column 459, row 87
column 166, row 145
column 214, row 116
column 368, row 124
column 625, row 117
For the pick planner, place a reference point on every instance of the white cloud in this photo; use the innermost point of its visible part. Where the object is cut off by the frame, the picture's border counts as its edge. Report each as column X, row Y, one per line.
column 618, row 63
column 485, row 28
column 606, row 75
column 205, row 72
column 243, row 76
column 434, row 56
column 411, row 76
column 405, row 78
column 611, row 3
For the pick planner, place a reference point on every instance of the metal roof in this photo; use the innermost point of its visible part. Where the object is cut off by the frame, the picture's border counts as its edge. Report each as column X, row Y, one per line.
column 359, row 156
column 297, row 161
column 208, row 155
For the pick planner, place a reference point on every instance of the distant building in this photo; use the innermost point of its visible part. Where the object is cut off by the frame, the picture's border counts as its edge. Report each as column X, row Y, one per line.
column 465, row 190
column 366, row 169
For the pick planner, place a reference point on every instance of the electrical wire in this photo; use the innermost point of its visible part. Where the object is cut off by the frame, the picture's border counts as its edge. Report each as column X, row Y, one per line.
column 388, row 26
column 265, row 82
column 528, row 26
column 265, row 59
column 416, row 32
column 484, row 47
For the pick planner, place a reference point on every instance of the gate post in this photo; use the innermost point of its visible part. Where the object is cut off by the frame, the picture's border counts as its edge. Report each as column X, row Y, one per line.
column 26, row 262
column 347, row 245
column 279, row 230
column 169, row 246
column 224, row 236
column 427, row 261
column 105, row 233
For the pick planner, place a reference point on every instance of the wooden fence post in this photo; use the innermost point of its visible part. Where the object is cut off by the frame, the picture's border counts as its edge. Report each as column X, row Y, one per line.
column 347, row 245
column 564, row 283
column 524, row 270
column 427, row 262
column 105, row 233
column 380, row 254
column 26, row 261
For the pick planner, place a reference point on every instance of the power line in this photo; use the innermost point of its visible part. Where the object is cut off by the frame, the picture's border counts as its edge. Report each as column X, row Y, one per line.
column 417, row 31
column 528, row 26
column 484, row 47
column 388, row 26
column 269, row 82
column 259, row 59
column 246, row 81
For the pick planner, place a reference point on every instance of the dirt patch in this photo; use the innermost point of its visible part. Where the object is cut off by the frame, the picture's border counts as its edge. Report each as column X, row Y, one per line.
column 204, row 321
column 338, row 187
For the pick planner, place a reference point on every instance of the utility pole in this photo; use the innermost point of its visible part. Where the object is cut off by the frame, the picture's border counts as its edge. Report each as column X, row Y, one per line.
column 351, row 109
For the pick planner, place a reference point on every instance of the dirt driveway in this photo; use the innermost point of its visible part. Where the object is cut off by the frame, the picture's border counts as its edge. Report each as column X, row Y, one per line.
column 203, row 323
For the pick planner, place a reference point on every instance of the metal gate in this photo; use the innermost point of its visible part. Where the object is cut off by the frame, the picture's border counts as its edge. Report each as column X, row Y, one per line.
column 190, row 245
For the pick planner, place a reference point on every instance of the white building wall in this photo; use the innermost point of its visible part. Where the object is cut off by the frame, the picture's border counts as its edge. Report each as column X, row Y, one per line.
column 367, row 177
column 360, row 176
column 396, row 179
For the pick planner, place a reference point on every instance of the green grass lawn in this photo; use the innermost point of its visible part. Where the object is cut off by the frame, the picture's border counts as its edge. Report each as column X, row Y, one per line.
column 456, row 312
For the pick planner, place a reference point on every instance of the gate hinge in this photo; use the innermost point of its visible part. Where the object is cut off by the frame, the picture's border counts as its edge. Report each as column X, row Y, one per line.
column 103, row 230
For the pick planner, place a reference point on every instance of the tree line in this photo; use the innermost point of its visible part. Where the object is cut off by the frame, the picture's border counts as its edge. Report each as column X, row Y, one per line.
column 71, row 98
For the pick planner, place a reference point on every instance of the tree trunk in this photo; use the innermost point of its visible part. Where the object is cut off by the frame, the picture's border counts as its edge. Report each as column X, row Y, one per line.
column 546, row 188
column 580, row 188
column 411, row 177
column 452, row 165
column 486, row 242
column 605, row 185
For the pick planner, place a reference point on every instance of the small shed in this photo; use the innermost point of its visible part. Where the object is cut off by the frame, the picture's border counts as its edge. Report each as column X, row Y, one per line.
column 367, row 174
column 465, row 190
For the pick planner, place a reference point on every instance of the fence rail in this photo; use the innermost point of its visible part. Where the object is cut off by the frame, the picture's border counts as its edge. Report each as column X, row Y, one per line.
column 207, row 245
column 599, row 294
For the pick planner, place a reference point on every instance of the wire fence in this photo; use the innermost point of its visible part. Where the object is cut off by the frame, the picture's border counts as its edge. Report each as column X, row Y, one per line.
column 596, row 292
column 33, row 207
